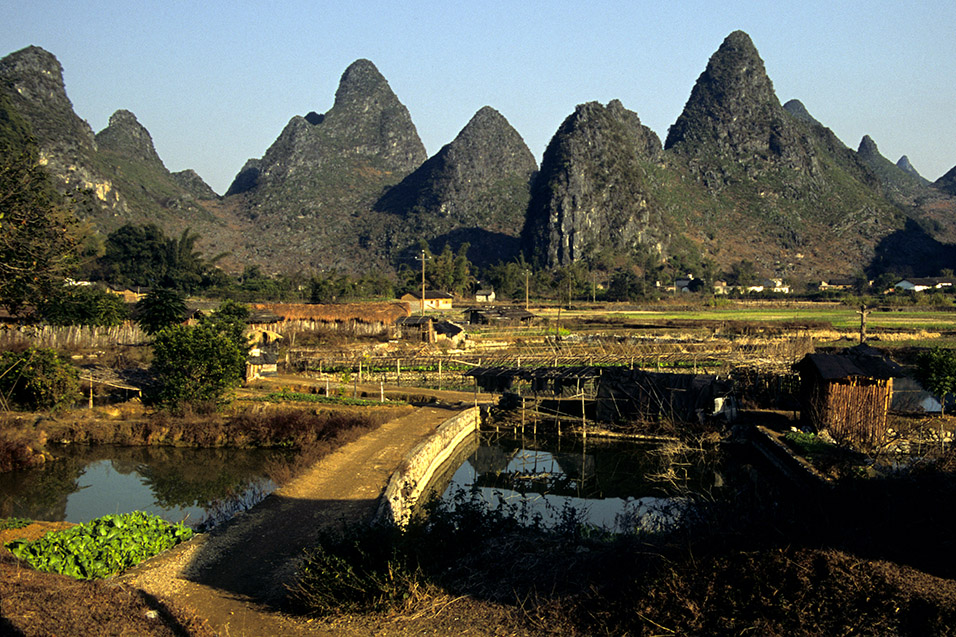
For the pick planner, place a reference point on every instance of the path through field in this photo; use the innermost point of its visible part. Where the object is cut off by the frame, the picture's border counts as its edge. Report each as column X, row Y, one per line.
column 234, row 576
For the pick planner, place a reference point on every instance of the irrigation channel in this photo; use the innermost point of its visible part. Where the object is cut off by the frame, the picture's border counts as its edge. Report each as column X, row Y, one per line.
column 618, row 484
column 199, row 486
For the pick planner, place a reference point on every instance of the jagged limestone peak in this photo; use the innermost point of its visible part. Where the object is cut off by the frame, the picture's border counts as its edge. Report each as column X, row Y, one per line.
column 477, row 181
column 126, row 137
column 868, row 148
column 731, row 97
column 797, row 109
column 904, row 164
column 594, row 191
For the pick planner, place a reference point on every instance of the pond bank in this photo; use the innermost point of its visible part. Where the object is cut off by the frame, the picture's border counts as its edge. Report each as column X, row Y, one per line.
column 29, row 440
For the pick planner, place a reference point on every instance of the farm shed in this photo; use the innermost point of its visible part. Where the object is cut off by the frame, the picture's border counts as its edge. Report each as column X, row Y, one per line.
column 848, row 393
column 625, row 394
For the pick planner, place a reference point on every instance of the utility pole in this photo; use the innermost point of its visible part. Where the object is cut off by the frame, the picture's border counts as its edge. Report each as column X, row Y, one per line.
column 422, row 259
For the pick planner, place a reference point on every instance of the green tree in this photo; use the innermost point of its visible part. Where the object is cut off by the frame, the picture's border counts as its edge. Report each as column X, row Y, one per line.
column 195, row 365
column 936, row 370
column 136, row 255
column 38, row 234
column 626, row 285
column 37, row 379
column 231, row 319
column 159, row 309
column 84, row 305
column 509, row 278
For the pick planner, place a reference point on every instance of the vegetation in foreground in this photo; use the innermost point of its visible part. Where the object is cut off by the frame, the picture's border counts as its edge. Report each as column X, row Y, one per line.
column 757, row 562
column 101, row 547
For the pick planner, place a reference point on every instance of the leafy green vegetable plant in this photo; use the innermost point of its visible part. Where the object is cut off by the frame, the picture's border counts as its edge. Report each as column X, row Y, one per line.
column 101, row 547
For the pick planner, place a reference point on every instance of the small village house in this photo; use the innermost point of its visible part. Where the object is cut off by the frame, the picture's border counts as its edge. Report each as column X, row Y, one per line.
column 921, row 284
column 434, row 300
column 485, row 295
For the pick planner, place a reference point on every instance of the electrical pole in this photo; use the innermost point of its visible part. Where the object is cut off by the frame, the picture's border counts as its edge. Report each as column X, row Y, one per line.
column 422, row 258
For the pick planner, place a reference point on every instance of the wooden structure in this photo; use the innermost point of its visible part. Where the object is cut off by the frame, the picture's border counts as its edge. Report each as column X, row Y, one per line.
column 848, row 393
column 262, row 359
column 429, row 330
column 498, row 316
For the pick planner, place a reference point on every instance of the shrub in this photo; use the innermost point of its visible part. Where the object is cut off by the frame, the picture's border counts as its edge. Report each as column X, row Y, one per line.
column 38, row 379
column 195, row 364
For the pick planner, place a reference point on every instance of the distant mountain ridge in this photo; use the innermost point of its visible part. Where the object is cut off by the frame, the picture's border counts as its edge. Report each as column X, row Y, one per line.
column 738, row 177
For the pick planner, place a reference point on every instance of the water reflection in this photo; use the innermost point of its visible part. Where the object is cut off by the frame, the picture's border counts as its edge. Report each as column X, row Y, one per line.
column 619, row 485
column 174, row 483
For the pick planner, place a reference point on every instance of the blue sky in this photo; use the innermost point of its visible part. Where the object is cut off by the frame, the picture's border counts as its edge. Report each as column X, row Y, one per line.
column 216, row 82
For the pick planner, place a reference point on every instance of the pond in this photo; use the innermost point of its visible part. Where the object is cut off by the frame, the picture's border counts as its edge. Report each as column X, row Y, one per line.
column 620, row 485
column 199, row 486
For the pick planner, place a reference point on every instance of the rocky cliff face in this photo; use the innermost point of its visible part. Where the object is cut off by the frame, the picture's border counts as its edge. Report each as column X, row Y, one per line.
column 114, row 177
column 475, row 190
column 33, row 81
column 309, row 194
column 740, row 177
column 595, row 190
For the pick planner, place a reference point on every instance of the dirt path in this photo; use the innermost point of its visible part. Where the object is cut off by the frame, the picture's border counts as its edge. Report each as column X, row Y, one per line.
column 234, row 576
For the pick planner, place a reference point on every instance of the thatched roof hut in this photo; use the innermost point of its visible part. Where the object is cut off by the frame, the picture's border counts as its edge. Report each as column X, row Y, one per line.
column 360, row 318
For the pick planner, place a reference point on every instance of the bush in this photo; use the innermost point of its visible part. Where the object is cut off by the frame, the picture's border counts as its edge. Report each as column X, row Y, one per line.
column 38, row 379
column 195, row 364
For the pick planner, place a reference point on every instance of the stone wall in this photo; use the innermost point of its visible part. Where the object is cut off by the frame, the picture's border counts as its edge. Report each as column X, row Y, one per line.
column 409, row 481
